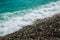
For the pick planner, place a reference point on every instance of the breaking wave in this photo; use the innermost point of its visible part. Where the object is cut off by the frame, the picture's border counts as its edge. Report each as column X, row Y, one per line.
column 13, row 21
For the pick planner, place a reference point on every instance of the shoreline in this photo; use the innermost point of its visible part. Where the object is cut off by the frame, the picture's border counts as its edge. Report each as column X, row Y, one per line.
column 19, row 19
column 41, row 29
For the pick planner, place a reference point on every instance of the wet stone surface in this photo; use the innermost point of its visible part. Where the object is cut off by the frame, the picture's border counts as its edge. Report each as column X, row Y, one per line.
column 44, row 29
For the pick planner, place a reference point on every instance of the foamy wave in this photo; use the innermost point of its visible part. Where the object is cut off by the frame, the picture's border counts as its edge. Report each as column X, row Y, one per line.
column 16, row 20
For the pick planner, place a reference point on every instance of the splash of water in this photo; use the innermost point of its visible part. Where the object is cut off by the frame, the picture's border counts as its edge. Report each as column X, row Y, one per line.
column 13, row 21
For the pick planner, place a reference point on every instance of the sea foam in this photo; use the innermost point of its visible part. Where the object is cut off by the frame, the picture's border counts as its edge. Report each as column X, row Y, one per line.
column 13, row 21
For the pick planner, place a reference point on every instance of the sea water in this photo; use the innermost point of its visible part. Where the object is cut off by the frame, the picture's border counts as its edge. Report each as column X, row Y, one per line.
column 14, row 14
column 14, row 5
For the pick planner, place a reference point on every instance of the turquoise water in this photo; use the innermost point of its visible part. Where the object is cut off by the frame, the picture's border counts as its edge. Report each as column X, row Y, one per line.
column 13, row 15
column 14, row 5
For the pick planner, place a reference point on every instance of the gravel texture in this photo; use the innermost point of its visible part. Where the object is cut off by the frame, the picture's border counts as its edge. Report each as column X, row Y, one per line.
column 41, row 29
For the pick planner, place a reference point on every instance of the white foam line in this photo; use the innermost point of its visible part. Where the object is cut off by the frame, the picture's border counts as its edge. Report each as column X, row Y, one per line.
column 16, row 21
